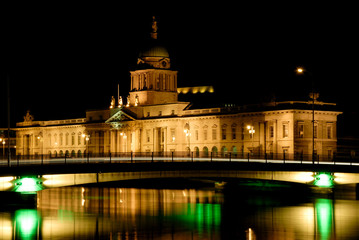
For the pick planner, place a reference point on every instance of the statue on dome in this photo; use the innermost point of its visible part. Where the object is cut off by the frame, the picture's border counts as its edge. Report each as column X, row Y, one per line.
column 113, row 102
column 136, row 101
column 28, row 117
column 154, row 28
column 120, row 102
column 128, row 101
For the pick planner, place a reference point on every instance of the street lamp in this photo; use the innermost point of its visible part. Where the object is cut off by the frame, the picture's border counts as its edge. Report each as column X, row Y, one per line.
column 3, row 148
column 251, row 131
column 87, row 138
column 188, row 135
column 313, row 96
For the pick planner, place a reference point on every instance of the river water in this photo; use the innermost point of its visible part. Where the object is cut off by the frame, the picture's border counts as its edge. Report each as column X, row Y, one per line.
column 135, row 213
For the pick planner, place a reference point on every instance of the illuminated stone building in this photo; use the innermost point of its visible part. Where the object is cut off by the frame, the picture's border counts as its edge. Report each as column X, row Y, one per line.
column 151, row 119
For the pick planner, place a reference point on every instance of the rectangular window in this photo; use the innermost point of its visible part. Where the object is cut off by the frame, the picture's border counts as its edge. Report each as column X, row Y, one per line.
column 285, row 130
column 315, row 131
column 173, row 134
column 214, row 134
column 301, row 130
column 234, row 136
column 148, row 135
column 224, row 134
column 205, row 134
column 271, row 131
column 196, row 135
column 329, row 132
column 242, row 132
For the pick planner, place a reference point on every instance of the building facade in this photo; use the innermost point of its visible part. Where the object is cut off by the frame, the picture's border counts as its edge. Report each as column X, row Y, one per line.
column 151, row 119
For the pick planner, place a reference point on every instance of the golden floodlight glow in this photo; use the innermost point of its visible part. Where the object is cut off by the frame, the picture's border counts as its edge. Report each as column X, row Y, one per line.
column 304, row 177
column 194, row 90
column 299, row 70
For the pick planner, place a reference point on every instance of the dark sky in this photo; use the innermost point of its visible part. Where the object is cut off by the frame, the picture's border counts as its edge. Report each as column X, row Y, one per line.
column 64, row 59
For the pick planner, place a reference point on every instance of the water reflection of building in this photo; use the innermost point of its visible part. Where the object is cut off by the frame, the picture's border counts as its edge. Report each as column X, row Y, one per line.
column 135, row 213
column 105, row 213
column 153, row 120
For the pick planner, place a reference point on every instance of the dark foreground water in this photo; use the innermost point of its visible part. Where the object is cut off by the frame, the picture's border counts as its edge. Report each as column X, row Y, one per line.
column 131, row 213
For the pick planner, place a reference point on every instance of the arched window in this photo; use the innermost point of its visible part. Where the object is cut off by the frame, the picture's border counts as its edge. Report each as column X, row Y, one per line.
column 55, row 153
column 224, row 151
column 61, row 153
column 215, row 151
column 196, row 151
column 73, row 153
column 205, row 151
column 234, row 151
column 79, row 153
column 67, row 153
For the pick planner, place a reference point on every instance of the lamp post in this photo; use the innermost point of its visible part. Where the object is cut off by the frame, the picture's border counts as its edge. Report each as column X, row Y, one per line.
column 3, row 148
column 313, row 96
column 86, row 137
column 251, row 131
column 188, row 134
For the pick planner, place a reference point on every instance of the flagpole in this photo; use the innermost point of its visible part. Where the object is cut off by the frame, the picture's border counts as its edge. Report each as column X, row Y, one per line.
column 8, row 121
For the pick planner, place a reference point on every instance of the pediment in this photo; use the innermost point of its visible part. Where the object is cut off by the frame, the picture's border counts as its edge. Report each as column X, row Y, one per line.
column 120, row 116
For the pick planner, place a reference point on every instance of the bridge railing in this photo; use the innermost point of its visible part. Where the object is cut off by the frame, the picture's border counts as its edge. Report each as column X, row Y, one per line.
column 175, row 156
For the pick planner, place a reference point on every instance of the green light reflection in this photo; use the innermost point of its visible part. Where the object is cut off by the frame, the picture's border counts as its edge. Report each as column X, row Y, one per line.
column 324, row 214
column 201, row 216
column 26, row 222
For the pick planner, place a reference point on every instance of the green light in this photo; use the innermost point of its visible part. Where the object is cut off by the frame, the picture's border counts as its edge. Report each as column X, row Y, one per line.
column 26, row 222
column 28, row 184
column 323, row 180
column 324, row 217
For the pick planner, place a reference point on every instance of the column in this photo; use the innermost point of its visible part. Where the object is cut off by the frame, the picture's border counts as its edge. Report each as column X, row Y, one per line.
column 275, row 139
column 261, row 138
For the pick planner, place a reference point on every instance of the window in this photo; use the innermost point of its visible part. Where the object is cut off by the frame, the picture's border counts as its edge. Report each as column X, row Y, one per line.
column 205, row 134
column 234, row 136
column 315, row 131
column 173, row 134
column 160, row 113
column 61, row 139
column 271, row 131
column 224, row 133
column 73, row 139
column 148, row 134
column 301, row 130
column 285, row 130
column 67, row 139
column 196, row 135
column 329, row 132
column 79, row 136
column 214, row 134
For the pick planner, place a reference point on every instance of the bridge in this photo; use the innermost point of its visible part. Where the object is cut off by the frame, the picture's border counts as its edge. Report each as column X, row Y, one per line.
column 34, row 174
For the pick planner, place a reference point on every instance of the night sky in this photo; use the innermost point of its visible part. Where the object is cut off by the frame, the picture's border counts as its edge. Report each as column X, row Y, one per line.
column 65, row 59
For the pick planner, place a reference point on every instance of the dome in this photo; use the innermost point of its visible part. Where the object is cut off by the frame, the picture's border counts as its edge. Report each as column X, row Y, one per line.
column 154, row 51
